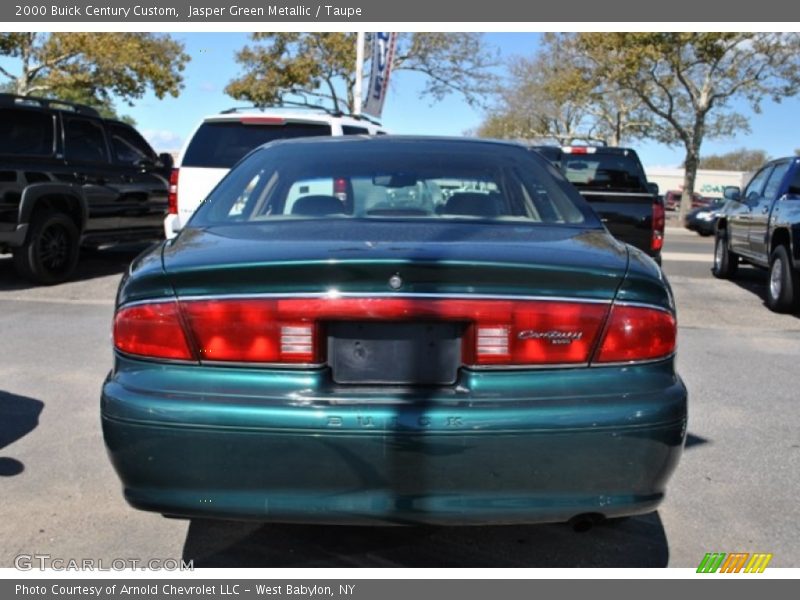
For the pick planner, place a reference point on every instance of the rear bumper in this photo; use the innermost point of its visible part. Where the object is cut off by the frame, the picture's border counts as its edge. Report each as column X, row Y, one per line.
column 278, row 446
column 172, row 225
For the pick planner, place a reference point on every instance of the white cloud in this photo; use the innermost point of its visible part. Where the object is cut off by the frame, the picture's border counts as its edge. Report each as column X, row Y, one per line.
column 163, row 140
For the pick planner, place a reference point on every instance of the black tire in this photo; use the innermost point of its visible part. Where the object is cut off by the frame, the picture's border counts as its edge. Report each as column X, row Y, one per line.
column 783, row 288
column 726, row 263
column 50, row 253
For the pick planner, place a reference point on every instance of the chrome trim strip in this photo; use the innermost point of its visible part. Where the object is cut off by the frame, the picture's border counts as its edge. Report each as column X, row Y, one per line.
column 634, row 363
column 155, row 359
column 262, row 365
column 645, row 305
column 333, row 295
column 625, row 194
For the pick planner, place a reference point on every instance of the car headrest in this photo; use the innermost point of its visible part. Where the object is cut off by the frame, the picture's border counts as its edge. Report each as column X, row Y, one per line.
column 471, row 204
column 318, row 206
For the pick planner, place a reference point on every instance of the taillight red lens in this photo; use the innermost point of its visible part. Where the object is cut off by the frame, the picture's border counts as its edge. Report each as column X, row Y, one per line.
column 637, row 333
column 152, row 330
column 496, row 332
column 659, row 221
column 172, row 193
column 250, row 331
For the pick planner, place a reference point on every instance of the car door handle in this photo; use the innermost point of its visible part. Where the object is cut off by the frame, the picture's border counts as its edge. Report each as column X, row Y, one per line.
column 84, row 178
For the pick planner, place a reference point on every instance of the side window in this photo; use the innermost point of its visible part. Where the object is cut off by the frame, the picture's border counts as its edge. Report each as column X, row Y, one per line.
column 128, row 146
column 26, row 132
column 353, row 130
column 775, row 180
column 753, row 189
column 84, row 140
column 794, row 186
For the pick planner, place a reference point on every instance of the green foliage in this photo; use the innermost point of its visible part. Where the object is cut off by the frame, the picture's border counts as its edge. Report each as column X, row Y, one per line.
column 554, row 95
column 737, row 160
column 94, row 66
column 688, row 80
column 319, row 67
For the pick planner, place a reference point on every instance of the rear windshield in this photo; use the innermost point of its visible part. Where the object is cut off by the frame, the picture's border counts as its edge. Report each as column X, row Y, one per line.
column 26, row 132
column 604, row 172
column 366, row 180
column 223, row 144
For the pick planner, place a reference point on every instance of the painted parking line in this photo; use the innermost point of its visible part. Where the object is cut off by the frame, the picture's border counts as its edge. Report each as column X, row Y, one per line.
column 705, row 257
column 53, row 300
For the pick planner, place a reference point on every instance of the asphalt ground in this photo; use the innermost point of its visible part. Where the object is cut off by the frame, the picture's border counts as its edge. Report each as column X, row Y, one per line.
column 735, row 490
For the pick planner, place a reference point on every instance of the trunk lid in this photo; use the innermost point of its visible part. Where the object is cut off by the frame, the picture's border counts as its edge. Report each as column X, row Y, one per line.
column 318, row 256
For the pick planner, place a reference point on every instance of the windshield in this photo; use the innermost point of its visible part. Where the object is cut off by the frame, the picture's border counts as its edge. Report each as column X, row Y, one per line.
column 604, row 172
column 374, row 179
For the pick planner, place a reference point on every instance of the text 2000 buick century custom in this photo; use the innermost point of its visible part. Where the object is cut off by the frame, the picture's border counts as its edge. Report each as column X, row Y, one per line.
column 394, row 330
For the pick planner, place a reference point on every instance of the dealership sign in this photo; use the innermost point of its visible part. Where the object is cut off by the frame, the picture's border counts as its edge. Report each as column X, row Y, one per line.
column 383, row 46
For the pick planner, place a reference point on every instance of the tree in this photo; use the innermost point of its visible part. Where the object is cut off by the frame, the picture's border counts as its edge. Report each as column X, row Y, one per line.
column 689, row 80
column 94, row 67
column 736, row 160
column 320, row 67
column 553, row 95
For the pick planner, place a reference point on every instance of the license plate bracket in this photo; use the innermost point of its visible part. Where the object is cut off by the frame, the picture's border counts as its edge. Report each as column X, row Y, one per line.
column 417, row 353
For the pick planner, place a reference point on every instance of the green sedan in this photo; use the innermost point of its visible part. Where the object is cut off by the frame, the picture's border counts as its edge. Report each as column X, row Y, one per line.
column 394, row 330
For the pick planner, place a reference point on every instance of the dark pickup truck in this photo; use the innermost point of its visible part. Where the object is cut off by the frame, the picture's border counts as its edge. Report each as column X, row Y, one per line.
column 612, row 180
column 761, row 226
column 69, row 178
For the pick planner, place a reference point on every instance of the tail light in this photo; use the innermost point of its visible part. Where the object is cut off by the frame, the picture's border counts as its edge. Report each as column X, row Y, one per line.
column 172, row 193
column 636, row 333
column 496, row 332
column 657, row 240
column 340, row 188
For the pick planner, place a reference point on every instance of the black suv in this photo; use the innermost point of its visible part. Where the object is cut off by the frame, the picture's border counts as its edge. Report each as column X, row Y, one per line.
column 613, row 182
column 69, row 178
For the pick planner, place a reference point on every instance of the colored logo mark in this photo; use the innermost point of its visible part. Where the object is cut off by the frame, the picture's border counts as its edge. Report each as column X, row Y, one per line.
column 736, row 562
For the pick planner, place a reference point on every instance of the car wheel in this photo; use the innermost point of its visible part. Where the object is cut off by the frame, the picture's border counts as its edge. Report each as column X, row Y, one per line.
column 783, row 289
column 50, row 253
column 726, row 262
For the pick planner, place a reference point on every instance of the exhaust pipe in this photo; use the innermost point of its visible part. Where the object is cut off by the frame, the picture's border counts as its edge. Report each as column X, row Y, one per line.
column 584, row 522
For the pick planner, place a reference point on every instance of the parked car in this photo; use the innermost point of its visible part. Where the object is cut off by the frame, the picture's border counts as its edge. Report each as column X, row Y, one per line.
column 221, row 140
column 703, row 220
column 672, row 200
column 71, row 178
column 613, row 182
column 392, row 355
column 762, row 228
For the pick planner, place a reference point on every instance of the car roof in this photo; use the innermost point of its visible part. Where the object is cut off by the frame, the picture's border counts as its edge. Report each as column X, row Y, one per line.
column 308, row 116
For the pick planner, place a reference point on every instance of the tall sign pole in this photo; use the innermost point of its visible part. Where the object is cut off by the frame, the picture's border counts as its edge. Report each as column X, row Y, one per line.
column 357, row 95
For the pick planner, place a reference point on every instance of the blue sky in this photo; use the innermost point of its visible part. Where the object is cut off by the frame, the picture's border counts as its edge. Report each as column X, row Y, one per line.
column 167, row 122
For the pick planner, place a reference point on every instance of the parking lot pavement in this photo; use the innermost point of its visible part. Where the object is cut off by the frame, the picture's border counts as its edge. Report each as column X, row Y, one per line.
column 735, row 489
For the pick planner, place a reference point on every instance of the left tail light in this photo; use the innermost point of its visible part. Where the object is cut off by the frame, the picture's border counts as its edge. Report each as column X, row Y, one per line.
column 152, row 330
column 659, row 221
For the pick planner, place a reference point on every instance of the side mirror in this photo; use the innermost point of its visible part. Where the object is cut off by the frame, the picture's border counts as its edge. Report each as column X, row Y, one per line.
column 166, row 160
column 731, row 192
column 652, row 188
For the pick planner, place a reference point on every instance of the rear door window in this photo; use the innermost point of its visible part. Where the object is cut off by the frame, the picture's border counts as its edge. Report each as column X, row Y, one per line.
column 84, row 140
column 26, row 132
column 353, row 130
column 128, row 146
column 221, row 144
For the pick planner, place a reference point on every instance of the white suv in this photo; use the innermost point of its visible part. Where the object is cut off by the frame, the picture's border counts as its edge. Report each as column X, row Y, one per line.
column 220, row 140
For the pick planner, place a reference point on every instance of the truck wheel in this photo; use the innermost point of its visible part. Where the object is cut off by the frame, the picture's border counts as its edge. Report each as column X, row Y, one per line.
column 50, row 253
column 726, row 263
column 783, row 289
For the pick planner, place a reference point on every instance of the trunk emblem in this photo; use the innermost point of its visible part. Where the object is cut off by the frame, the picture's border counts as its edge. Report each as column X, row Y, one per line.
column 395, row 281
column 555, row 337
